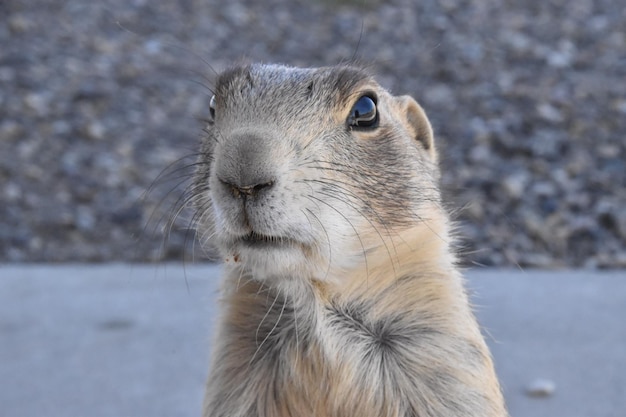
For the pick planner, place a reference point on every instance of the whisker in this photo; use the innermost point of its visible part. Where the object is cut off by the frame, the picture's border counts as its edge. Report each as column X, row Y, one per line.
column 256, row 336
column 239, row 279
column 356, row 232
column 280, row 316
column 330, row 253
column 165, row 172
column 341, row 194
column 151, row 219
column 295, row 322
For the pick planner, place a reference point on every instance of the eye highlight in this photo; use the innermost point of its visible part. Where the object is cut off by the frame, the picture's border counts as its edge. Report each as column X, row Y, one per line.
column 212, row 108
column 364, row 113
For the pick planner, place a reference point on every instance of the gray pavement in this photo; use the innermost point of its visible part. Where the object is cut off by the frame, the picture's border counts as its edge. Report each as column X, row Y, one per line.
column 133, row 340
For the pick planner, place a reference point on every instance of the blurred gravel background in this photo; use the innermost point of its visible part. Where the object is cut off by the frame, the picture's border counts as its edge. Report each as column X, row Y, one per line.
column 528, row 102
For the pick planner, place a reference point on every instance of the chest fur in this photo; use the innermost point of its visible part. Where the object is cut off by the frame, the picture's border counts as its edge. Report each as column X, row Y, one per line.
column 284, row 360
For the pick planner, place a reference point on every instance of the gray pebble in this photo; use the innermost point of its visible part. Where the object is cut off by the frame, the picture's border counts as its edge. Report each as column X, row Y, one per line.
column 95, row 131
column 540, row 388
column 514, row 185
column 85, row 219
column 549, row 112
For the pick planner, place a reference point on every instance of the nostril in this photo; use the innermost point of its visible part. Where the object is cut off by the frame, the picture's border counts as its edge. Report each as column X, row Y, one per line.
column 259, row 187
column 247, row 190
column 252, row 190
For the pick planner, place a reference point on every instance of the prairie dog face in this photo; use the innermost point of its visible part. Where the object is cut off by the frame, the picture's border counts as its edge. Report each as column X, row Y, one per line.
column 304, row 171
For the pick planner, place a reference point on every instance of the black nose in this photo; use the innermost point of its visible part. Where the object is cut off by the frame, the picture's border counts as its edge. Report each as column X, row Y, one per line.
column 240, row 191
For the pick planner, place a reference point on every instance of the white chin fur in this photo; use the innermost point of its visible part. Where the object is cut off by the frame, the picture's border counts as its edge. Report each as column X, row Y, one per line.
column 300, row 261
column 289, row 264
column 273, row 263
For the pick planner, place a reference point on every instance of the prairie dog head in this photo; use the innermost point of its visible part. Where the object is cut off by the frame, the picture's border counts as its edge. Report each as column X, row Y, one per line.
column 303, row 172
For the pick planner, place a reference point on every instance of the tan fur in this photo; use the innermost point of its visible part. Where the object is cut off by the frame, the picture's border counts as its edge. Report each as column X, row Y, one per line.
column 372, row 321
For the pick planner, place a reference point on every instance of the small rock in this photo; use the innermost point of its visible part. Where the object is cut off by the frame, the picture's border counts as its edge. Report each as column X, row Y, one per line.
column 37, row 102
column 609, row 150
column 564, row 56
column 620, row 216
column 439, row 94
column 236, row 14
column 599, row 23
column 61, row 127
column 540, row 388
column 518, row 41
column 583, row 236
column 620, row 105
column 19, row 24
column 547, row 144
column 515, row 185
column 85, row 219
column 12, row 191
column 7, row 74
column 10, row 129
column 153, row 46
column 559, row 59
column 543, row 189
column 480, row 154
column 618, row 261
column 478, row 127
column 127, row 216
column 95, row 130
column 549, row 113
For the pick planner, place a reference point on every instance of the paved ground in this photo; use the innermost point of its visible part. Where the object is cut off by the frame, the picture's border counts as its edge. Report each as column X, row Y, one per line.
column 122, row 340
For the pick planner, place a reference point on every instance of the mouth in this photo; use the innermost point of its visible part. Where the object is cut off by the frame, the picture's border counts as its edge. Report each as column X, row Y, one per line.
column 258, row 240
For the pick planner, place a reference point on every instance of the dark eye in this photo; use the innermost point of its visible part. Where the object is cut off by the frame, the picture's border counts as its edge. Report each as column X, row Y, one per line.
column 364, row 113
column 212, row 108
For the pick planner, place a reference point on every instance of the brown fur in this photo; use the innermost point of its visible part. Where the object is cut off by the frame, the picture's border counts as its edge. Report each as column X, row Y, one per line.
column 361, row 311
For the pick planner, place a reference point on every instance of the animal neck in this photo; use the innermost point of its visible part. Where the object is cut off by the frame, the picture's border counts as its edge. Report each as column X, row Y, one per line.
column 421, row 252
column 399, row 270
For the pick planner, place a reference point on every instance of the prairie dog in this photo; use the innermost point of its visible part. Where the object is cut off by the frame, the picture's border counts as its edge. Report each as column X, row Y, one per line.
column 341, row 297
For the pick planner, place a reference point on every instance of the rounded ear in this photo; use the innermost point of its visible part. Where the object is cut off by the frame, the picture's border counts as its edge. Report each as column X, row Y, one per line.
column 418, row 124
